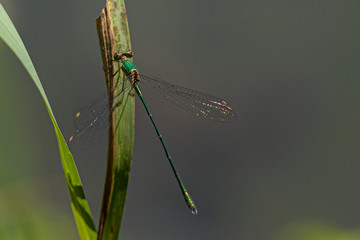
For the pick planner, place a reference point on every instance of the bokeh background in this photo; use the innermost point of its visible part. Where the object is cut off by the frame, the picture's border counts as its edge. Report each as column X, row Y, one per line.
column 287, row 168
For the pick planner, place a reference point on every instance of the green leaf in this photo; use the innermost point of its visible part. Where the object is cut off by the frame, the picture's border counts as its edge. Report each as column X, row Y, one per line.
column 114, row 35
column 79, row 204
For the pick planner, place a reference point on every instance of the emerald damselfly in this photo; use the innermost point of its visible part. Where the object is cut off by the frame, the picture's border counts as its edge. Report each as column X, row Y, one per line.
column 92, row 120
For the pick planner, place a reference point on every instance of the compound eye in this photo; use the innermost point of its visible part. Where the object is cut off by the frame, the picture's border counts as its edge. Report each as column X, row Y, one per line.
column 117, row 56
column 128, row 53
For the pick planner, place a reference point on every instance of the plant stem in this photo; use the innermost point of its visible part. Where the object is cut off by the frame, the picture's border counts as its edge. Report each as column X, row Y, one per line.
column 113, row 35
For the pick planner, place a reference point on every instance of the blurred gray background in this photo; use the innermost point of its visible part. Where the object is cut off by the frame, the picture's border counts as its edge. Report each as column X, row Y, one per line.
column 287, row 168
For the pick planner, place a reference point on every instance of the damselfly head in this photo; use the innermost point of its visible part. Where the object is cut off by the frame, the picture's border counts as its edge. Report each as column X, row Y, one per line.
column 123, row 55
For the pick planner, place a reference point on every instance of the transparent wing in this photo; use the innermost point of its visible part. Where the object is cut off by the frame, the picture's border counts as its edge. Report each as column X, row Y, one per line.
column 97, row 108
column 200, row 104
column 91, row 121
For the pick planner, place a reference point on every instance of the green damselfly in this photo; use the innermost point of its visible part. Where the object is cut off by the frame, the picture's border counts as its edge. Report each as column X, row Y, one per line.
column 92, row 120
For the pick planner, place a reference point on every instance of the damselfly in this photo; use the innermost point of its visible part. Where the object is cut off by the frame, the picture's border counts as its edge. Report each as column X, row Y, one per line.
column 92, row 120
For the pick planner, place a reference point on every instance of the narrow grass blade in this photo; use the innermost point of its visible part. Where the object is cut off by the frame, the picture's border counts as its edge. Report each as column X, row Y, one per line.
column 114, row 35
column 79, row 204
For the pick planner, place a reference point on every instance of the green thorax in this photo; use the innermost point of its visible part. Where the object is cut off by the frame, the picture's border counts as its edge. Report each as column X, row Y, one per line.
column 127, row 67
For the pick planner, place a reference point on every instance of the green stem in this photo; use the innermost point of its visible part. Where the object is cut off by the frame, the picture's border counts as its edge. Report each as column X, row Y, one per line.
column 113, row 34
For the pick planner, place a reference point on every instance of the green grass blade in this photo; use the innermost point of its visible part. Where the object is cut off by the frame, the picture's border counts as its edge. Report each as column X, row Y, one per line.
column 114, row 35
column 79, row 204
